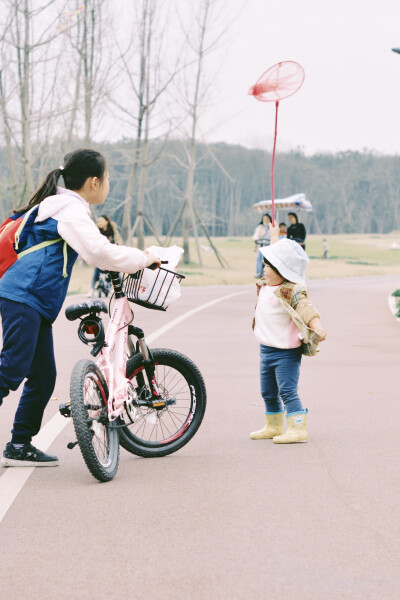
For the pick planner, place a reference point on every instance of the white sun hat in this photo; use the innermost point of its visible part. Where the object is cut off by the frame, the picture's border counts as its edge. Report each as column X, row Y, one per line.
column 288, row 258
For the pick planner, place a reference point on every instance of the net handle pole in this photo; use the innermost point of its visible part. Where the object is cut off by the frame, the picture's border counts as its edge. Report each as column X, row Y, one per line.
column 273, row 163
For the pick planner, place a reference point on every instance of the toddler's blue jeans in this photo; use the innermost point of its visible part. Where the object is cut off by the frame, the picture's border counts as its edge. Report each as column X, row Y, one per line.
column 27, row 353
column 279, row 377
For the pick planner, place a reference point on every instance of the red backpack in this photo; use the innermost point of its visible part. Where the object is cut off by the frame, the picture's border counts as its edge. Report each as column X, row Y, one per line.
column 13, row 235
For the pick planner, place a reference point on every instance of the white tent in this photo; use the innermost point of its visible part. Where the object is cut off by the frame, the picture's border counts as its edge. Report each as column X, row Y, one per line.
column 298, row 202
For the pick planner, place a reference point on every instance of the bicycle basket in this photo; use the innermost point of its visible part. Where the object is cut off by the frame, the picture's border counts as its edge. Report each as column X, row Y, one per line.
column 153, row 289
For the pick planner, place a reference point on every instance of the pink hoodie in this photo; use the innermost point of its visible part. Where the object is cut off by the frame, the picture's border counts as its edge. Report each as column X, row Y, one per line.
column 76, row 227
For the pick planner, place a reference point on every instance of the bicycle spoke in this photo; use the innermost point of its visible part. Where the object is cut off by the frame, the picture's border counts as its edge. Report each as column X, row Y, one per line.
column 181, row 403
column 171, row 384
column 98, row 439
column 92, row 397
column 143, row 425
column 176, row 374
column 176, row 414
column 166, row 427
column 161, row 427
column 172, row 417
column 155, row 426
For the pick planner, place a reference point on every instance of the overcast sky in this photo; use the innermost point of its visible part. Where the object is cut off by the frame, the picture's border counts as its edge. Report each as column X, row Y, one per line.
column 350, row 98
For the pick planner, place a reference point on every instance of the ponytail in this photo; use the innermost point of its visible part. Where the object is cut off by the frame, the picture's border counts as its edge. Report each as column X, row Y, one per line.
column 78, row 166
column 48, row 188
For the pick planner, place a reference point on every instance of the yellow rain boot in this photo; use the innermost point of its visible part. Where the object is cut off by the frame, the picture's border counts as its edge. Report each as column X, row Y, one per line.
column 273, row 426
column 296, row 431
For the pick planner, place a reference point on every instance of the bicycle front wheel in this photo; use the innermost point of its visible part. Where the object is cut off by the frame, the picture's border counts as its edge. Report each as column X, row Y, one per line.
column 163, row 429
column 97, row 437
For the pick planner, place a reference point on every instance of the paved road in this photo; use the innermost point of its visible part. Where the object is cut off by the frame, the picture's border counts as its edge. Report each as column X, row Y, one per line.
column 227, row 517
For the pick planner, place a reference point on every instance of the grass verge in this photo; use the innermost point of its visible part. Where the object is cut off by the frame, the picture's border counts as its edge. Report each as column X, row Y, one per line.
column 350, row 256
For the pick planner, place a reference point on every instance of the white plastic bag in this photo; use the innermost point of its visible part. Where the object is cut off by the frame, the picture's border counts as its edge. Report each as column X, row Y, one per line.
column 166, row 288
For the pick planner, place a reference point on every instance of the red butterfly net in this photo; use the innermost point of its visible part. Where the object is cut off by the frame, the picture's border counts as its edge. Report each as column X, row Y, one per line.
column 278, row 82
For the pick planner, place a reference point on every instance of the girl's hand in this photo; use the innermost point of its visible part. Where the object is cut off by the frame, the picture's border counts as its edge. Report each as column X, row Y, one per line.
column 152, row 261
column 321, row 333
column 274, row 232
column 315, row 325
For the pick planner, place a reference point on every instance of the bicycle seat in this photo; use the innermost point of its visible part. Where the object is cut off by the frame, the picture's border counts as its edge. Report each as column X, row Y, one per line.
column 85, row 308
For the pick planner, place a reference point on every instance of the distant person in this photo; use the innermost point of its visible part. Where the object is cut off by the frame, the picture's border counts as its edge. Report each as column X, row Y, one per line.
column 262, row 238
column 326, row 248
column 286, row 325
column 282, row 230
column 296, row 231
column 109, row 229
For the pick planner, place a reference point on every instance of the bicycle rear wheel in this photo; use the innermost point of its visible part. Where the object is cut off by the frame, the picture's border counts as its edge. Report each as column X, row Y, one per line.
column 97, row 437
column 164, row 429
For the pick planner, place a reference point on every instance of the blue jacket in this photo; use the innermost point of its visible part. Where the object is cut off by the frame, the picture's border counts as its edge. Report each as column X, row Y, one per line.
column 40, row 279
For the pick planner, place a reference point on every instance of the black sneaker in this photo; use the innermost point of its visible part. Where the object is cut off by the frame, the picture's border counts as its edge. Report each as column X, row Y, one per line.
column 27, row 456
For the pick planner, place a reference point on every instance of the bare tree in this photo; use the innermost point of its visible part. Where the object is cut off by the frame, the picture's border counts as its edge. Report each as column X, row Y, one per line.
column 6, row 123
column 141, row 89
column 203, row 36
column 148, row 77
column 25, row 44
column 87, row 30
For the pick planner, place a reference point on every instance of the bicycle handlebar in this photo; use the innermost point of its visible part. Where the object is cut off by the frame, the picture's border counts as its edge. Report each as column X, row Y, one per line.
column 155, row 266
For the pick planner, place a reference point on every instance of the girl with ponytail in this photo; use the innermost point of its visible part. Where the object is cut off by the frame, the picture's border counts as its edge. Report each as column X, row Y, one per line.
column 57, row 228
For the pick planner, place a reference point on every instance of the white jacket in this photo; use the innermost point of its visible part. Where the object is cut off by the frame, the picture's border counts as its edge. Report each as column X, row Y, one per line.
column 76, row 227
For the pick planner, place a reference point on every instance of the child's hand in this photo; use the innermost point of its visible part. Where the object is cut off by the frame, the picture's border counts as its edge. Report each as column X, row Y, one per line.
column 274, row 232
column 315, row 325
column 321, row 333
column 152, row 261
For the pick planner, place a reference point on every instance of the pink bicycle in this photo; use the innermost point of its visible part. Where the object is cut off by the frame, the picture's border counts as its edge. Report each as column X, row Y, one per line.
column 151, row 402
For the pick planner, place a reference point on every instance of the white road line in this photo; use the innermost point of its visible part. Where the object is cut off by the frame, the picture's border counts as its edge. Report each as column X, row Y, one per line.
column 14, row 478
column 188, row 314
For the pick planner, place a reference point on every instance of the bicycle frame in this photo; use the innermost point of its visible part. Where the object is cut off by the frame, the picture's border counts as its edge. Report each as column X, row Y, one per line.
column 113, row 357
column 116, row 351
column 115, row 347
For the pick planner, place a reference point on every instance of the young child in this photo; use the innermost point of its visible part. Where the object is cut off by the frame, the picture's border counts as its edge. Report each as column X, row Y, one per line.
column 282, row 230
column 287, row 325
column 33, row 289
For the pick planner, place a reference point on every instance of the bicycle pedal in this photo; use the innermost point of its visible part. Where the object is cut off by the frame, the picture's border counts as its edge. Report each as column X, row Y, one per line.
column 65, row 409
column 159, row 404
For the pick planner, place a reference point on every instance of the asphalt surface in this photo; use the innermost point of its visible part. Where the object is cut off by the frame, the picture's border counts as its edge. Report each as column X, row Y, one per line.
column 227, row 517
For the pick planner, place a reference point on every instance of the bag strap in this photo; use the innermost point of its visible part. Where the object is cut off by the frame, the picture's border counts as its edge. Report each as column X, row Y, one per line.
column 20, row 228
column 6, row 227
column 38, row 247
column 44, row 245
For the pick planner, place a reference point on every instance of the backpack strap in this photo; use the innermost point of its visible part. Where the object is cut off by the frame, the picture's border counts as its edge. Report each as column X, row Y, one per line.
column 2, row 232
column 20, row 228
column 49, row 243
column 65, row 252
